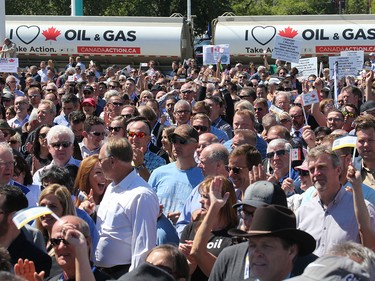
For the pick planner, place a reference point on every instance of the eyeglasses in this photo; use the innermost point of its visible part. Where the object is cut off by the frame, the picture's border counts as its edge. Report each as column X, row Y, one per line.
column 33, row 96
column 139, row 135
column 21, row 103
column 50, row 90
column 58, row 145
column 61, row 94
column 245, row 215
column 102, row 160
column 303, row 173
column 242, row 97
column 334, row 119
column 99, row 134
column 87, row 93
column 43, row 136
column 179, row 112
column 258, row 109
column 8, row 163
column 112, row 86
column 117, row 103
column 177, row 139
column 201, row 128
column 13, row 142
column 350, row 114
column 127, row 115
column 121, row 80
column 282, row 73
column 12, row 81
column 187, row 92
column 55, row 242
column 116, row 129
column 235, row 170
column 278, row 153
column 295, row 116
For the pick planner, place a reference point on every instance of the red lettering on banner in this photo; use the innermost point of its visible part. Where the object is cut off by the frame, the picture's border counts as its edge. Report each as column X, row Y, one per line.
column 109, row 50
column 338, row 49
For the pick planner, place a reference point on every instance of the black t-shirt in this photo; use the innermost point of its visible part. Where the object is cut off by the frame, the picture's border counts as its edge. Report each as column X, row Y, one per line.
column 217, row 242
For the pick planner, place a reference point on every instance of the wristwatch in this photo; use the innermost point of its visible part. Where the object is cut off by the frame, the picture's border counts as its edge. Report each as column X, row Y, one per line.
column 140, row 167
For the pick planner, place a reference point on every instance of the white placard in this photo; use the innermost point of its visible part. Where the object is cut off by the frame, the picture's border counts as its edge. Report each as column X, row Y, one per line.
column 360, row 57
column 345, row 66
column 287, row 49
column 9, row 65
column 212, row 53
column 307, row 67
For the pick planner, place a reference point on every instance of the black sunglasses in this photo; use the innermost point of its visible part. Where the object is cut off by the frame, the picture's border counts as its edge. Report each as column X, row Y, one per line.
column 117, row 103
column 236, row 170
column 116, row 129
column 56, row 241
column 303, row 173
column 201, row 128
column 64, row 144
column 176, row 139
column 278, row 153
column 127, row 115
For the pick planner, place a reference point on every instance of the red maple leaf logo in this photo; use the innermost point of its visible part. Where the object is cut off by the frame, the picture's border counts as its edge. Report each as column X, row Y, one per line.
column 11, row 60
column 288, row 32
column 51, row 33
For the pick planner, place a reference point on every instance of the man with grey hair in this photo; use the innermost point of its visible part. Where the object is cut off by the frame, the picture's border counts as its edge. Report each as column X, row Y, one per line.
column 282, row 100
column 60, row 141
column 127, row 215
column 182, row 112
column 46, row 112
column 329, row 217
column 212, row 161
column 11, row 86
column 9, row 49
column 278, row 151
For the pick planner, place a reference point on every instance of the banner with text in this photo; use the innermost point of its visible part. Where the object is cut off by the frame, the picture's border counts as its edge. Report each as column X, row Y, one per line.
column 9, row 65
column 287, row 49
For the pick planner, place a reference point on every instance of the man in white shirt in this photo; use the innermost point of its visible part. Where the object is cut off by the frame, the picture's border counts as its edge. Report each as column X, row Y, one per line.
column 128, row 213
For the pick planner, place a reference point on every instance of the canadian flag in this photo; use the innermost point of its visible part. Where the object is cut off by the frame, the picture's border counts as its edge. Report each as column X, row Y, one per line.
column 310, row 98
column 295, row 154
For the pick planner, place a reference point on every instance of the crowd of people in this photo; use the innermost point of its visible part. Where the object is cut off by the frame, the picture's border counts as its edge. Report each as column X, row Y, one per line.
column 198, row 173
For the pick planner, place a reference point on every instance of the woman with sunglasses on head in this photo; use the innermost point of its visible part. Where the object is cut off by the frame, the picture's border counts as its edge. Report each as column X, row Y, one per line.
column 202, row 242
column 40, row 156
column 59, row 200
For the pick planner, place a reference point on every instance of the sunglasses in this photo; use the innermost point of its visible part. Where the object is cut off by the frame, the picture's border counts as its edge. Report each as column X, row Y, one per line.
column 176, row 139
column 13, row 142
column 99, row 134
column 87, row 93
column 258, row 109
column 235, row 170
column 201, row 128
column 127, row 115
column 278, row 153
column 56, row 241
column 33, row 96
column 43, row 136
column 303, row 173
column 116, row 129
column 187, row 92
column 350, row 114
column 139, row 135
column 64, row 144
column 50, row 90
column 117, row 103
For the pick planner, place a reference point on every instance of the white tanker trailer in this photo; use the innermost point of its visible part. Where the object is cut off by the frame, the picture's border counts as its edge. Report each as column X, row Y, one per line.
column 249, row 37
column 120, row 40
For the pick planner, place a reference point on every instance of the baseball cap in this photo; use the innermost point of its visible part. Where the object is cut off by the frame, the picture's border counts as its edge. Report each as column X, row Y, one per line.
column 274, row 81
column 263, row 193
column 185, row 131
column 303, row 166
column 367, row 106
column 89, row 101
column 8, row 95
column 331, row 268
column 372, row 54
column 88, row 88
